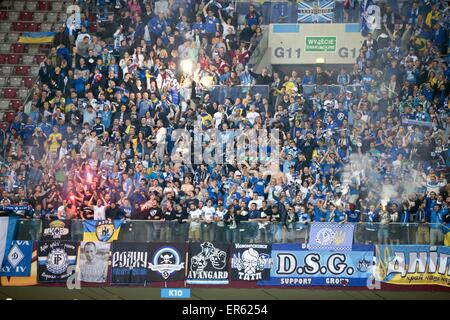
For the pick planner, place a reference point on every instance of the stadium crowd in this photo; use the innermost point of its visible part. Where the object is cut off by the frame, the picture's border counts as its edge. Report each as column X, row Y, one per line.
column 94, row 141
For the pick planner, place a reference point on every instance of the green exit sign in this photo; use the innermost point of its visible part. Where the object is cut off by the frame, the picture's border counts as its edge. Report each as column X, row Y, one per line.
column 320, row 44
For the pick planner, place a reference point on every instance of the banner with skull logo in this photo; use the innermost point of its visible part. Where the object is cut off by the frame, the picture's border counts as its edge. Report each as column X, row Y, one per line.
column 208, row 263
column 251, row 262
column 167, row 261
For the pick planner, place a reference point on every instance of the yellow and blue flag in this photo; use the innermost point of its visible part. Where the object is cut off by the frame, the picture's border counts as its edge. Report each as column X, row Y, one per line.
column 36, row 37
column 101, row 230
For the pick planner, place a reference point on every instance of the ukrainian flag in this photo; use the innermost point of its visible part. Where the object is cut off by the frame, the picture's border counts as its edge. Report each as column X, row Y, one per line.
column 36, row 37
column 101, row 230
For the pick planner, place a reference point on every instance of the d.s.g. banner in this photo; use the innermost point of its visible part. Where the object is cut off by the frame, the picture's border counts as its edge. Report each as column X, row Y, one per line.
column 295, row 266
column 413, row 265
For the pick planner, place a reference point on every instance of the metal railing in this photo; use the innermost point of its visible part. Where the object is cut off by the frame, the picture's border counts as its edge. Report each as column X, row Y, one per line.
column 245, row 232
column 221, row 92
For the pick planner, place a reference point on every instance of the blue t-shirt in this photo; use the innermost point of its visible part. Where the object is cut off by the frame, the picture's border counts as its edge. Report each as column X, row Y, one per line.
column 211, row 24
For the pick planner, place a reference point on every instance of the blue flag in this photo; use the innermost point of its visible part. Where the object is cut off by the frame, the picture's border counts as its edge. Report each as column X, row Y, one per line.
column 370, row 16
column 7, row 229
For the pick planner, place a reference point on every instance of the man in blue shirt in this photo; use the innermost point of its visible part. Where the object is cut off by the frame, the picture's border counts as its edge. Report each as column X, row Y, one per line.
column 252, row 17
column 211, row 22
column 157, row 26
column 436, row 221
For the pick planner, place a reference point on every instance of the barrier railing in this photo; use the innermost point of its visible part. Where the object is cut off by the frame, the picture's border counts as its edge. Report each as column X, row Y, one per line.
column 243, row 232
column 220, row 93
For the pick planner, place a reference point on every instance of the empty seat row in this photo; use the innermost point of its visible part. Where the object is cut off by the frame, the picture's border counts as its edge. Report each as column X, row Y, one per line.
column 40, row 5
column 15, row 70
column 20, row 48
column 13, row 93
column 38, row 16
column 21, row 59
column 16, row 82
column 13, row 104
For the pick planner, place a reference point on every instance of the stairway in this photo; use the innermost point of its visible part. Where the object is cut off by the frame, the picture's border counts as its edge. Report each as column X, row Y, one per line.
column 19, row 63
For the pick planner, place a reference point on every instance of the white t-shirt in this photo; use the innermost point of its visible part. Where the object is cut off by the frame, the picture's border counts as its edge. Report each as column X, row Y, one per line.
column 218, row 118
column 209, row 213
column 99, row 213
column 251, row 116
column 196, row 214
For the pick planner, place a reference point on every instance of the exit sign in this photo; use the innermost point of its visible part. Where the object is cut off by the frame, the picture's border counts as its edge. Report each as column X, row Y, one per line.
column 320, row 44
column 176, row 293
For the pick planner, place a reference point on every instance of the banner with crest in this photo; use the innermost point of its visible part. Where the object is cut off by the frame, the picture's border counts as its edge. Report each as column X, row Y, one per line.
column 101, row 230
column 295, row 266
column 331, row 236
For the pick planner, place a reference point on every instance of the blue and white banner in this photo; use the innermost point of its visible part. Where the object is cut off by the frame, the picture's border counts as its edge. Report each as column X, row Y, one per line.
column 316, row 11
column 295, row 266
column 331, row 236
column 17, row 261
column 413, row 265
column 7, row 229
column 370, row 17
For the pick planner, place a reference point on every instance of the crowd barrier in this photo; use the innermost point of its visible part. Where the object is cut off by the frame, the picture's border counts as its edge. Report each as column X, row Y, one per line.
column 246, row 232
column 219, row 93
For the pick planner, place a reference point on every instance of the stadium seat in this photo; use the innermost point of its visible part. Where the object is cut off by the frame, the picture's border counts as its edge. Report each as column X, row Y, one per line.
column 46, row 27
column 5, row 47
column 3, row 15
column 12, row 37
column 23, row 93
column 4, row 105
column 19, row 5
column 28, row 82
column 38, row 16
column 31, row 6
column 13, row 15
column 14, row 59
column 34, row 71
column 26, row 59
column 5, row 26
column 40, row 58
column 57, row 6
column 18, row 26
column 52, row 17
column 44, row 5
column 26, row 16
column 6, row 70
column 21, row 70
column 3, row 81
column 15, row 104
column 9, row 116
column 18, row 48
column 15, row 82
column 33, row 48
column 2, row 36
column 33, row 27
column 9, row 93
column 3, row 58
